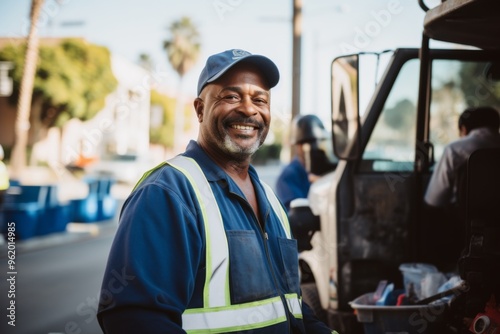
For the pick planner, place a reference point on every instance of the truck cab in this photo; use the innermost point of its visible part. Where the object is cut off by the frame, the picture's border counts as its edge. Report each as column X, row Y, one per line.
column 388, row 139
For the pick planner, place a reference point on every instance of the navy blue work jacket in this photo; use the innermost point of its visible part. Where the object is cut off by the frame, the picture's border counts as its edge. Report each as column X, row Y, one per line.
column 156, row 266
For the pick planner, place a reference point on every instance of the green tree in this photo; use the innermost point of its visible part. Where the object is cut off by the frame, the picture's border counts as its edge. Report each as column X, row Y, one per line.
column 146, row 62
column 183, row 50
column 480, row 89
column 72, row 80
column 160, row 133
column 162, row 124
column 401, row 115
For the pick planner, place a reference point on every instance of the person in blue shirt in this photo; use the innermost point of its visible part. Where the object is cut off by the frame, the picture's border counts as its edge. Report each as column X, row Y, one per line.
column 203, row 246
column 309, row 162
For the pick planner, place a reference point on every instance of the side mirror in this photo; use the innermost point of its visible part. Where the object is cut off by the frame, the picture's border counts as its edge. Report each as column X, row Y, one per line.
column 345, row 107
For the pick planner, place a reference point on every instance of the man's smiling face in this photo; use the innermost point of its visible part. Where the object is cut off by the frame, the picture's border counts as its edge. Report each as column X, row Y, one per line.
column 234, row 112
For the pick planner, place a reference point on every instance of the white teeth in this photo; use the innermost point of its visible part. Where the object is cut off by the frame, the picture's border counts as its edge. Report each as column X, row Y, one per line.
column 241, row 127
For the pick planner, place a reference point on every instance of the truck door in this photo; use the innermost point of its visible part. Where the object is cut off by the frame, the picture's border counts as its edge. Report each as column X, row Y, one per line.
column 381, row 219
column 374, row 193
column 459, row 80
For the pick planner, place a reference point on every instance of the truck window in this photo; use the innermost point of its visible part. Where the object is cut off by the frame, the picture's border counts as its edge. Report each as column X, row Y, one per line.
column 457, row 85
column 392, row 144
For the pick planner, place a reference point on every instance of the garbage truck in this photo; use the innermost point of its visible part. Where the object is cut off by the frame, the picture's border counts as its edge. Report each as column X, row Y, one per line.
column 388, row 131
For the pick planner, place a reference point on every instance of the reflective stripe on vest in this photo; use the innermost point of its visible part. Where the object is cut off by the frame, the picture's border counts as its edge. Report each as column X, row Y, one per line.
column 216, row 291
column 278, row 209
column 240, row 317
column 217, row 314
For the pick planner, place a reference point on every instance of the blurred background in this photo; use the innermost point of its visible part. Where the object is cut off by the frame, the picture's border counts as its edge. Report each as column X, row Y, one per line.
column 111, row 96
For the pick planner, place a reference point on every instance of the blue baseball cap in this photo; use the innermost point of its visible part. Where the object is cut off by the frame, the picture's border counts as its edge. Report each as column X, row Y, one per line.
column 219, row 63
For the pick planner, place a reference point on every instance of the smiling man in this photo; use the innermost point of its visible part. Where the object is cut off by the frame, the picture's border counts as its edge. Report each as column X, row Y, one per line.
column 205, row 245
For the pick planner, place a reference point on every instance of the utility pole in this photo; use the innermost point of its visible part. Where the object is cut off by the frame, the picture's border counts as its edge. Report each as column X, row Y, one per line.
column 297, row 41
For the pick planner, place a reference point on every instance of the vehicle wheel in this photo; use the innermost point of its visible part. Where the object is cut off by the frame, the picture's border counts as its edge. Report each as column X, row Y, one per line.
column 311, row 297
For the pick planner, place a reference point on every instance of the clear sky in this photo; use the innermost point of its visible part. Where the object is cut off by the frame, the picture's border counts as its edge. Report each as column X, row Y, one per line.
column 330, row 28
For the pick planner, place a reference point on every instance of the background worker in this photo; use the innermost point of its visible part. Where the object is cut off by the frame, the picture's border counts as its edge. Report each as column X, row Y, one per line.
column 309, row 162
column 478, row 128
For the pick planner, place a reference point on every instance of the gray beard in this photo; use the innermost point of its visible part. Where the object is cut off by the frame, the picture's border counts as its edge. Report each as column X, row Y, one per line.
column 232, row 147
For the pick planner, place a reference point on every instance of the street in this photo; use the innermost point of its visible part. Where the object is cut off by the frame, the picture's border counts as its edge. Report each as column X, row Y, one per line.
column 56, row 287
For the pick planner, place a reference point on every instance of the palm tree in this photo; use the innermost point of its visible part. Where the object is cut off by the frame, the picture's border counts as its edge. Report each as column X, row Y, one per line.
column 183, row 50
column 146, row 62
column 18, row 157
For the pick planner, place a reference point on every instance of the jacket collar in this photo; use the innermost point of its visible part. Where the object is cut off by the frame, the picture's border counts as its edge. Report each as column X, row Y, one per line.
column 214, row 173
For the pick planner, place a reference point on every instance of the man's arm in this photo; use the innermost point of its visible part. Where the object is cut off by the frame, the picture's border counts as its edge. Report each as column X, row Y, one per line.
column 312, row 324
column 289, row 186
column 440, row 188
column 152, row 266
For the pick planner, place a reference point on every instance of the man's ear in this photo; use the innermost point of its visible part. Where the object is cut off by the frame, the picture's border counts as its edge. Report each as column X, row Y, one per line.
column 199, row 106
column 463, row 131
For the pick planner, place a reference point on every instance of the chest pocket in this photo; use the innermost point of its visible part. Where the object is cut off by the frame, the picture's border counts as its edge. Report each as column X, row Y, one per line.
column 249, row 276
column 290, row 256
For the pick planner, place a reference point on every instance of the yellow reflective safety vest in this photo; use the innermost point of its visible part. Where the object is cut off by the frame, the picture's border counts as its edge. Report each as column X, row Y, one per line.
column 4, row 177
column 218, row 315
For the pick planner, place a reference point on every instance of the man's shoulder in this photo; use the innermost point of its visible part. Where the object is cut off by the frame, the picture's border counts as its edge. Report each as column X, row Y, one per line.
column 466, row 143
column 463, row 147
column 477, row 138
column 294, row 166
column 163, row 175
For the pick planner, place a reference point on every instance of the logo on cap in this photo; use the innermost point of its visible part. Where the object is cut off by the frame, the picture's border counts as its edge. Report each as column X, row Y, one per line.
column 240, row 53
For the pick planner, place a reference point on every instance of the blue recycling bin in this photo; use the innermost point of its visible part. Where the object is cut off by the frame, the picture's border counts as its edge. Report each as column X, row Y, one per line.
column 35, row 209
column 56, row 213
column 84, row 210
column 106, row 203
column 99, row 204
column 24, row 216
column 23, row 207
